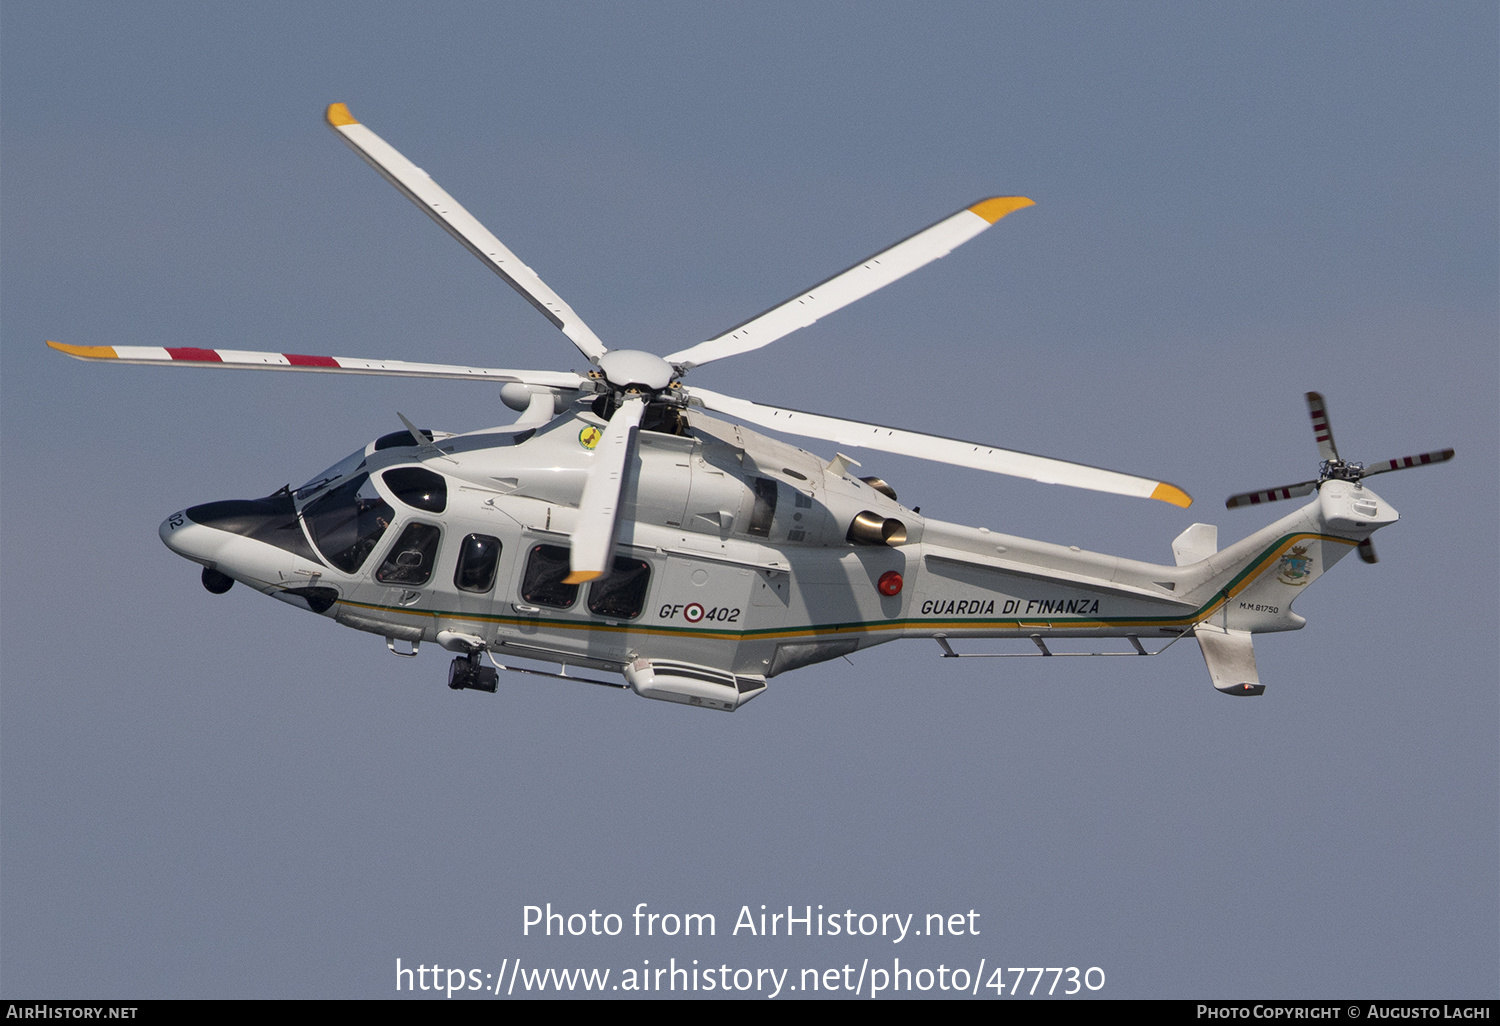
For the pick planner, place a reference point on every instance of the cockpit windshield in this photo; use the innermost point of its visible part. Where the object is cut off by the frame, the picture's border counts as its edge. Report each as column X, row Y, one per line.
column 346, row 522
column 344, row 467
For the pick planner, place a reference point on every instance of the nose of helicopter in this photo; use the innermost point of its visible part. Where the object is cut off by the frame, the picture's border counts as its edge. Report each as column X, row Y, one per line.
column 190, row 539
column 257, row 541
column 204, row 533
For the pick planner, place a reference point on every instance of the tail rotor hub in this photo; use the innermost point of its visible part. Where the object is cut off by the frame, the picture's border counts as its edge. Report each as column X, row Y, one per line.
column 1333, row 468
column 1340, row 470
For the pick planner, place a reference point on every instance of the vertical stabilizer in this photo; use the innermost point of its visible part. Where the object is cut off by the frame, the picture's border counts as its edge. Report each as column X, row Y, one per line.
column 1230, row 656
column 1195, row 544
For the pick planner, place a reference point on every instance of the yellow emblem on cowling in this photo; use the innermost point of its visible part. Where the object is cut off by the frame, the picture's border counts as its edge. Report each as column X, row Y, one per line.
column 589, row 437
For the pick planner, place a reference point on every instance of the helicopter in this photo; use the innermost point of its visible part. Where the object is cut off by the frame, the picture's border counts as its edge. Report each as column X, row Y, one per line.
column 622, row 525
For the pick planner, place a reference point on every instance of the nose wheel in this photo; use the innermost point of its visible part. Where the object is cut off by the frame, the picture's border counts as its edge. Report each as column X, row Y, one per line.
column 465, row 672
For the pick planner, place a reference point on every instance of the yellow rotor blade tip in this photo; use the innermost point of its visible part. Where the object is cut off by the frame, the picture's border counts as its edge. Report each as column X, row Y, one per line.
column 582, row 576
column 1171, row 493
column 85, row 352
column 338, row 114
column 996, row 207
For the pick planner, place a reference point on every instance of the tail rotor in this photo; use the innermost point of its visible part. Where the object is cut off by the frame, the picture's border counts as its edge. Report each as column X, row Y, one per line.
column 1333, row 468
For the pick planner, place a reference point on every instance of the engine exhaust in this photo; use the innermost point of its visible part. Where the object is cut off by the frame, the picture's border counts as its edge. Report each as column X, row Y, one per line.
column 873, row 529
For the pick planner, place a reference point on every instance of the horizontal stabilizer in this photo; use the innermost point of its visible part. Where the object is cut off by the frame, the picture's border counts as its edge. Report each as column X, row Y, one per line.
column 1231, row 660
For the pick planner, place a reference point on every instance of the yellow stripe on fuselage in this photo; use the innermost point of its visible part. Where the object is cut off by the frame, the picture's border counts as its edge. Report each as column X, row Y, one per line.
column 1249, row 576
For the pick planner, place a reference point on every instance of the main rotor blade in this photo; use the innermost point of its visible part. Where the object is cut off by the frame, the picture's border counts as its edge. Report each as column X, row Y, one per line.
column 598, row 510
column 856, row 282
column 1270, row 495
column 239, row 359
column 418, row 187
column 943, row 450
column 1322, row 431
column 1385, row 466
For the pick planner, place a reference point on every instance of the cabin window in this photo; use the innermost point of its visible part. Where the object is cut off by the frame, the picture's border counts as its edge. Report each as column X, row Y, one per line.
column 543, row 582
column 410, row 560
column 621, row 593
column 478, row 557
column 765, row 508
column 347, row 521
column 418, row 487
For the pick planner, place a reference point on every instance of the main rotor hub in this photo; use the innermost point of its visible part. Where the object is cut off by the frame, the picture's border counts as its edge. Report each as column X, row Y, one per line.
column 626, row 368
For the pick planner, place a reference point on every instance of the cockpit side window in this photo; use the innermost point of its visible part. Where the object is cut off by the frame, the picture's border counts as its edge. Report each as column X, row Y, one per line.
column 543, row 582
column 347, row 521
column 410, row 560
column 418, row 487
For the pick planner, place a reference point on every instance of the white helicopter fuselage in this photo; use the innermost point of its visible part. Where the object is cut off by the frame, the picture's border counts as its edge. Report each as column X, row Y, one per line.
column 617, row 526
column 736, row 560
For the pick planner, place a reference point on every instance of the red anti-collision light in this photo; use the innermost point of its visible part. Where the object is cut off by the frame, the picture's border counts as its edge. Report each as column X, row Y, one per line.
column 890, row 583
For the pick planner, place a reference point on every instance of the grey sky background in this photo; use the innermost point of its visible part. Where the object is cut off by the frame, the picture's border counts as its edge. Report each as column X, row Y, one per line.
column 220, row 796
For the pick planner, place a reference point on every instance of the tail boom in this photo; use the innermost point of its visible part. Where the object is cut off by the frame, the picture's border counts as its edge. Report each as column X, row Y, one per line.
column 1223, row 597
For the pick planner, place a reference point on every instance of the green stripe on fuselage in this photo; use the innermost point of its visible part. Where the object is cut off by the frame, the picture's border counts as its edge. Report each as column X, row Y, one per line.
column 1240, row 581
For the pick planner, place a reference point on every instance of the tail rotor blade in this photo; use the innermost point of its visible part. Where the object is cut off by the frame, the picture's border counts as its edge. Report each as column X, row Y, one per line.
column 1321, row 429
column 1270, row 495
column 1421, row 460
column 599, row 509
column 1335, row 469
